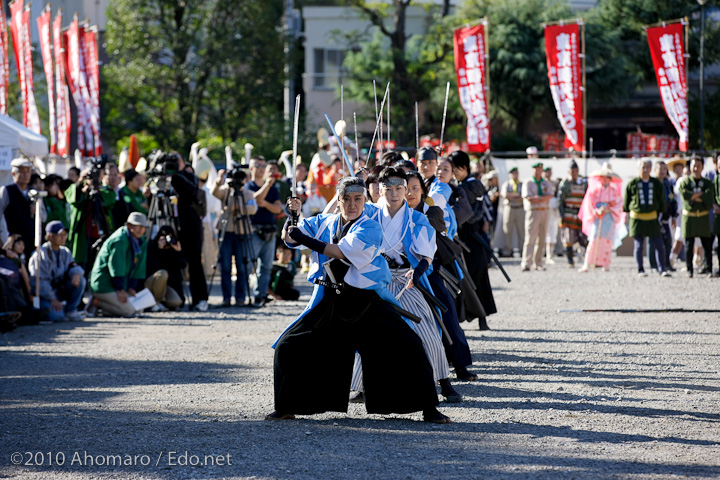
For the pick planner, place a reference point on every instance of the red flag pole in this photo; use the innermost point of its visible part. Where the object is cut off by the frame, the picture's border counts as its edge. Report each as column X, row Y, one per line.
column 43, row 24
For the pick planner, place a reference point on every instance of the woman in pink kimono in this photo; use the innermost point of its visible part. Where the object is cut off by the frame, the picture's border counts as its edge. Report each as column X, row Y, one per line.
column 603, row 219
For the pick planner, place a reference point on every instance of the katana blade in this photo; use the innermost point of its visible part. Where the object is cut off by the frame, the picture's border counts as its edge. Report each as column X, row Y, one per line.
column 296, row 125
column 442, row 129
column 344, row 153
column 377, row 122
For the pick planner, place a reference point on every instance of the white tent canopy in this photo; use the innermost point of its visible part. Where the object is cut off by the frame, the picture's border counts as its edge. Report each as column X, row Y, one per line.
column 14, row 134
column 16, row 140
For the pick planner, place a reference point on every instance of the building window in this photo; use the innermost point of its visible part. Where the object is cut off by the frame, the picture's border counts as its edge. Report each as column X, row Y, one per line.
column 329, row 70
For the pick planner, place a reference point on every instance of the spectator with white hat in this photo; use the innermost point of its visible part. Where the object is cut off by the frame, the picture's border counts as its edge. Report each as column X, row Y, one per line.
column 120, row 268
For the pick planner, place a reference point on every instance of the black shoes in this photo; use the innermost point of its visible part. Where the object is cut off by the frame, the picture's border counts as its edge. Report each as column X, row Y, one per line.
column 446, row 389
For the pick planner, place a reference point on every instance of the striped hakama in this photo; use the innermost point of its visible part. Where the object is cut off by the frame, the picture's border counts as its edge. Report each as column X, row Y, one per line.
column 413, row 301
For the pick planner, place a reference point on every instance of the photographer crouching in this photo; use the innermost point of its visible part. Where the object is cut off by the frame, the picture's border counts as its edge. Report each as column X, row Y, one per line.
column 165, row 265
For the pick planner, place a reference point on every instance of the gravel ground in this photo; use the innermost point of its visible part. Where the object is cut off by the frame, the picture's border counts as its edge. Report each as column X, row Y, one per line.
column 561, row 394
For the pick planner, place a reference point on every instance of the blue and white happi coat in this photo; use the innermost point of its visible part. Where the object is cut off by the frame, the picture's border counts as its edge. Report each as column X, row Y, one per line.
column 440, row 193
column 361, row 247
column 418, row 237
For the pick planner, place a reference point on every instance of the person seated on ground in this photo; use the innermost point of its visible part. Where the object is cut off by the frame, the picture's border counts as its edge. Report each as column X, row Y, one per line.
column 351, row 311
column 62, row 281
column 14, row 249
column 165, row 264
column 119, row 268
column 283, row 273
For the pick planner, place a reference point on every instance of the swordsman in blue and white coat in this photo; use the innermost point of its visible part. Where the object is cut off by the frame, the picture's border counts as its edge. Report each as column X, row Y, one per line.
column 350, row 311
column 408, row 244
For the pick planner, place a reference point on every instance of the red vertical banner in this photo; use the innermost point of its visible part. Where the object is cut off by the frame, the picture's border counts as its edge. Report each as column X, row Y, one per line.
column 667, row 50
column 471, row 67
column 72, row 64
column 61, row 90
column 90, row 119
column 565, row 72
column 92, row 67
column 43, row 24
column 4, row 64
column 16, row 28
column 33, row 118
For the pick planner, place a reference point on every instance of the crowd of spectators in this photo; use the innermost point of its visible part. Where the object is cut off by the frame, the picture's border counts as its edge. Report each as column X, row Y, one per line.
column 108, row 234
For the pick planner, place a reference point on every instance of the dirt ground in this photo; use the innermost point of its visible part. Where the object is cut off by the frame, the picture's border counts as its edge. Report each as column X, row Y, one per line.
column 562, row 393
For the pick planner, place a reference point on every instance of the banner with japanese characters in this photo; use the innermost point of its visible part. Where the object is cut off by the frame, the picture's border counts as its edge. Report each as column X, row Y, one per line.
column 62, row 93
column 72, row 65
column 92, row 68
column 85, row 94
column 16, row 21
column 667, row 50
column 471, row 67
column 43, row 24
column 4, row 64
column 564, row 64
column 33, row 117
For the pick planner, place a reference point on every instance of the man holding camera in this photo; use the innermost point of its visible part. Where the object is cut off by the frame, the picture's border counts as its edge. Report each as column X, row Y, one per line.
column 262, row 184
column 190, row 230
column 62, row 281
column 238, row 231
column 91, row 205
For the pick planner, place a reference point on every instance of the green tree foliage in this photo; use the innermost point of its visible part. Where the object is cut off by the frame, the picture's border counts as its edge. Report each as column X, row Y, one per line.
column 409, row 62
column 182, row 70
column 625, row 19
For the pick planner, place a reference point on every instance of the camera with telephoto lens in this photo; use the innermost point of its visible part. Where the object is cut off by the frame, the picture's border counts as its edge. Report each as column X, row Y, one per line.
column 161, row 166
column 237, row 175
column 96, row 167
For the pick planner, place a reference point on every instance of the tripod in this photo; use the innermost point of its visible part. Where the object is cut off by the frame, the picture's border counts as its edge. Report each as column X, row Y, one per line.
column 162, row 212
column 235, row 211
column 94, row 221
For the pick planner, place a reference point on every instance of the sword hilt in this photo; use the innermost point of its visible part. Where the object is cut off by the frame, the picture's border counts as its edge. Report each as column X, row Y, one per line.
column 294, row 216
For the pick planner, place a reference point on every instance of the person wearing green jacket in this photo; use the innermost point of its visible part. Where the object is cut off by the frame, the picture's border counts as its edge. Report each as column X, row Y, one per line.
column 644, row 199
column 120, row 267
column 697, row 194
column 55, row 203
column 86, row 223
column 132, row 192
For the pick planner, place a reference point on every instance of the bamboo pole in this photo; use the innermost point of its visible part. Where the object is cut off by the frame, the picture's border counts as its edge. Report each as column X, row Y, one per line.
column 584, row 89
column 663, row 23
column 470, row 24
column 486, row 23
column 562, row 22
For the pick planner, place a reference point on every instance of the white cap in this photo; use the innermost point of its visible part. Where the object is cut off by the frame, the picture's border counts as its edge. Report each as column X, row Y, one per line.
column 21, row 162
